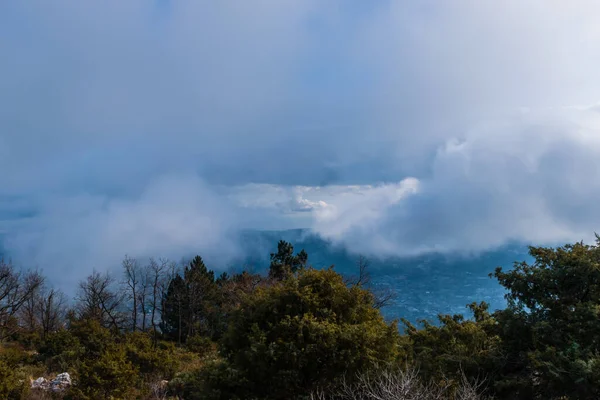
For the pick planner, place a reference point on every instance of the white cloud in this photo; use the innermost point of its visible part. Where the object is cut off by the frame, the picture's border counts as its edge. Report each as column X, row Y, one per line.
column 443, row 67
column 359, row 210
column 534, row 177
column 277, row 115
column 299, row 204
column 173, row 217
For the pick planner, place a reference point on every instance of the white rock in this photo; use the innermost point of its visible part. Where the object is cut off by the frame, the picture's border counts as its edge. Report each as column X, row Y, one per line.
column 40, row 383
column 61, row 382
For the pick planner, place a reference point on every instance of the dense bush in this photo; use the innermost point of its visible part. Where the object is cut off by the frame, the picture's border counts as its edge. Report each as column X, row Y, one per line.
column 307, row 331
column 110, row 375
column 456, row 347
column 12, row 386
column 551, row 327
column 61, row 351
column 153, row 362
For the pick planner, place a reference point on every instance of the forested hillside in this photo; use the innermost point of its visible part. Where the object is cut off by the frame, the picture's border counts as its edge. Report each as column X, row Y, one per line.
column 160, row 330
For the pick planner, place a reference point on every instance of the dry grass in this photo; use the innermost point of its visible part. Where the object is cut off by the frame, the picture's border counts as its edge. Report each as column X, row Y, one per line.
column 190, row 361
column 40, row 395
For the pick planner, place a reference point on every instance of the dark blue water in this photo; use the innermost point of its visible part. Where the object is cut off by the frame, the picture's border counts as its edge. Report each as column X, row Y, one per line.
column 424, row 286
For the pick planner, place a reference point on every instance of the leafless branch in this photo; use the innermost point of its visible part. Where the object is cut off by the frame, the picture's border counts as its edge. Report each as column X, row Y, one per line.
column 397, row 384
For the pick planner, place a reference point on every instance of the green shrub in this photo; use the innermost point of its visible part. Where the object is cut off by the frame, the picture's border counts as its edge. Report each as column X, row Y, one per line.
column 214, row 381
column 551, row 327
column 93, row 337
column 13, row 354
column 200, row 344
column 306, row 332
column 155, row 362
column 457, row 348
column 61, row 351
column 11, row 386
column 111, row 375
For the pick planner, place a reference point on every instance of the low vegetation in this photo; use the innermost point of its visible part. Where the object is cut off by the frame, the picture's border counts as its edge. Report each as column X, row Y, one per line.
column 160, row 331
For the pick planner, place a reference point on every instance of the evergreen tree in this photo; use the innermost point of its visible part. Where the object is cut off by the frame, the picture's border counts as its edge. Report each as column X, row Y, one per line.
column 285, row 262
column 551, row 327
column 202, row 298
column 174, row 315
column 191, row 304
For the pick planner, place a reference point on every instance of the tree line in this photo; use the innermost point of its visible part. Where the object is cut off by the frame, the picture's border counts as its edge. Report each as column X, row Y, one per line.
column 158, row 330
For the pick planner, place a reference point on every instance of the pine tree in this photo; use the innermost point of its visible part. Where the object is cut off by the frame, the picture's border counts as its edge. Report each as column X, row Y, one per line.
column 176, row 308
column 285, row 262
column 201, row 293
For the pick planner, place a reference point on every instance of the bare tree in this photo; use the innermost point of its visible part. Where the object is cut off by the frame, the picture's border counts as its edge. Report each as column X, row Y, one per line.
column 364, row 276
column 98, row 299
column 157, row 271
column 390, row 384
column 143, row 294
column 29, row 312
column 132, row 275
column 153, row 281
column 52, row 309
column 239, row 285
column 398, row 384
column 16, row 288
column 44, row 311
column 158, row 390
column 382, row 296
column 471, row 389
column 171, row 271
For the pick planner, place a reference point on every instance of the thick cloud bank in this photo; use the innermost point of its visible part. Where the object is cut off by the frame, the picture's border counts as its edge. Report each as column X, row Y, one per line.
column 400, row 127
column 532, row 178
column 173, row 217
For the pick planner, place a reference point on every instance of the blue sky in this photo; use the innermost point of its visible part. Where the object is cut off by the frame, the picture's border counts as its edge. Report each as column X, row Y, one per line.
column 391, row 128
